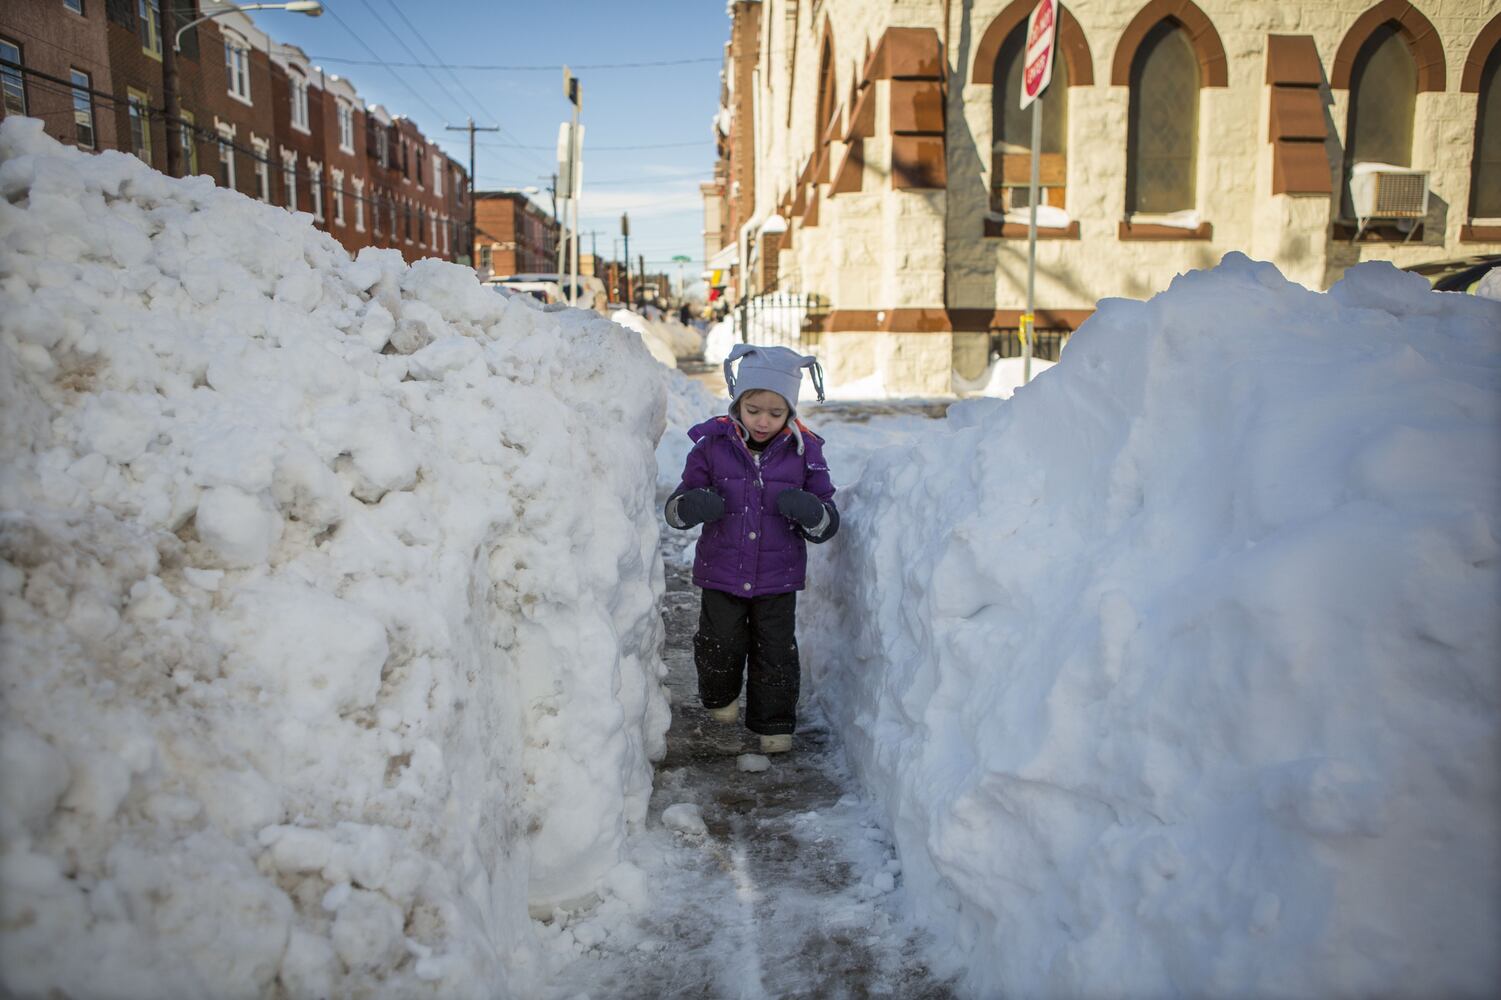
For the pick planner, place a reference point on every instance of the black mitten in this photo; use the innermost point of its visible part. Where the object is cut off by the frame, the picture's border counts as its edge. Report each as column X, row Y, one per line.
column 801, row 506
column 700, row 507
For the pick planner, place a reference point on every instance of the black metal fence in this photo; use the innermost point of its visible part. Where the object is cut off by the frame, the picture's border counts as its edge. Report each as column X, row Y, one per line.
column 787, row 319
column 1007, row 343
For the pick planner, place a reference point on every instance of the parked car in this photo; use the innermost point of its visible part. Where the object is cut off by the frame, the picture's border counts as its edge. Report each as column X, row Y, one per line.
column 546, row 292
column 1461, row 274
column 591, row 290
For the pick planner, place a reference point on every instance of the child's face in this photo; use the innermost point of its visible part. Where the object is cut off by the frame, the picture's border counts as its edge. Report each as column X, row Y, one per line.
column 764, row 413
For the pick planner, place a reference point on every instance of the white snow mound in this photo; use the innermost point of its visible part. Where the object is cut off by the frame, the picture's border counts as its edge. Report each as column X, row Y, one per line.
column 1178, row 672
column 329, row 592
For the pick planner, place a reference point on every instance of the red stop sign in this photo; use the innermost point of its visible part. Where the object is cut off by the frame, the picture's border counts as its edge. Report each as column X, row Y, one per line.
column 1037, row 64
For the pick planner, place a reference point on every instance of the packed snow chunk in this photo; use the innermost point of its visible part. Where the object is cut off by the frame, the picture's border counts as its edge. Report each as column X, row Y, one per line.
column 1176, row 672
column 684, row 817
column 752, row 762
column 329, row 590
column 239, row 528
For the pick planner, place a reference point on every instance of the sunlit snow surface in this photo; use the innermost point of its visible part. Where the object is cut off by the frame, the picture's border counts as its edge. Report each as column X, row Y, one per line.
column 329, row 592
column 1177, row 673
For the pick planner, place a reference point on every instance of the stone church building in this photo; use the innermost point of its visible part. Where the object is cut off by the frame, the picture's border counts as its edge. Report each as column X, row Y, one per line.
column 873, row 160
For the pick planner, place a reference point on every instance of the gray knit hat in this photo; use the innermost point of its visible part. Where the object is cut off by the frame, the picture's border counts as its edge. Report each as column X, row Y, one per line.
column 778, row 369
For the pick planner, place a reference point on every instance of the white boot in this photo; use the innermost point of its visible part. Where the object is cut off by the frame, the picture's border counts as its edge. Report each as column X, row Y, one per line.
column 726, row 713
column 778, row 743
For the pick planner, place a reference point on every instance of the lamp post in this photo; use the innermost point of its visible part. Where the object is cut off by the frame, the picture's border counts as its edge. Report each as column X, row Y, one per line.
column 311, row 8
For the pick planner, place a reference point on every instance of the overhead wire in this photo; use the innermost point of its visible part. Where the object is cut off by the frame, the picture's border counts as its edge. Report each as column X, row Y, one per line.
column 549, row 68
column 379, row 62
column 370, row 9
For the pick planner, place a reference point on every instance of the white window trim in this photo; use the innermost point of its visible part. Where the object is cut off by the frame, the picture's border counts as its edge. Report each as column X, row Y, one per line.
column 226, row 144
column 346, row 126
column 262, row 149
column 359, row 204
column 297, row 84
column 443, row 225
column 438, row 169
column 315, row 188
column 432, row 228
column 336, row 189
column 241, row 50
column 289, row 174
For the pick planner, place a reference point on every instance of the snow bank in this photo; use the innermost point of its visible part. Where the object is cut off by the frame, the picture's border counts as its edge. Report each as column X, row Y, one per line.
column 1177, row 672
column 667, row 339
column 688, row 403
column 329, row 592
column 1001, row 379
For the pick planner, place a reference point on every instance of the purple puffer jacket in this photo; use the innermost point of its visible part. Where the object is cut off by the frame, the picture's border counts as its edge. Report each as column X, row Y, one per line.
column 754, row 550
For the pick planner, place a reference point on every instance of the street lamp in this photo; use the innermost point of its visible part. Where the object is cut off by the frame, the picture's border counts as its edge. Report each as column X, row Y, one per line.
column 312, row 8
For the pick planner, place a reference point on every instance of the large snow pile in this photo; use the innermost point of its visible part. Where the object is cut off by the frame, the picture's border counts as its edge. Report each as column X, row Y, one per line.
column 1178, row 672
column 667, row 339
column 1001, row 378
column 688, row 403
column 329, row 592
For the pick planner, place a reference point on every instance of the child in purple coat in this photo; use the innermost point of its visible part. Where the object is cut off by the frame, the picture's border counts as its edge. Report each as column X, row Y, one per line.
column 757, row 482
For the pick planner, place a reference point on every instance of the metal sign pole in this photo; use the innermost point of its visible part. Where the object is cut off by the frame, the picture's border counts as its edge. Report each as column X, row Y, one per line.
column 1029, row 321
column 1037, row 73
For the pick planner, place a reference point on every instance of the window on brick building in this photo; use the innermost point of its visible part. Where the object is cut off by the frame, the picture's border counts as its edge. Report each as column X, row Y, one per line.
column 289, row 177
column 359, row 205
column 186, row 136
column 346, row 127
column 437, row 176
column 76, row 6
column 149, row 21
column 262, row 149
column 237, row 68
column 1485, row 182
column 420, row 160
column 337, row 190
column 298, row 87
column 226, row 158
column 140, row 125
column 485, row 257
column 12, row 81
column 83, row 108
column 1011, row 133
column 1383, row 95
column 1162, row 122
column 315, row 188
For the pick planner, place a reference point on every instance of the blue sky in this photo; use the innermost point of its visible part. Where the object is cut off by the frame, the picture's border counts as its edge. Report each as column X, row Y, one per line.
column 668, row 107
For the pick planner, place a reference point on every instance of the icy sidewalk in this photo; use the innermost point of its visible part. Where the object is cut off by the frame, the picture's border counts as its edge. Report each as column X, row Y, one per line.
column 793, row 889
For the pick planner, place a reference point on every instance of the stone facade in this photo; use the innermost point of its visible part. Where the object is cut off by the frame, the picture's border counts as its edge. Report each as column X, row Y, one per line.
column 875, row 145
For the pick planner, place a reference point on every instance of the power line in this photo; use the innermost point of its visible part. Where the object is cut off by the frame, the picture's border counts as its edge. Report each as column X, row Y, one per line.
column 380, row 62
column 601, row 149
column 370, row 8
column 550, row 68
column 434, row 52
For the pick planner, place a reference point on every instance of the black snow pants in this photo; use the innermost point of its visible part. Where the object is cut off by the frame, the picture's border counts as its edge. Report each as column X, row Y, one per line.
column 763, row 632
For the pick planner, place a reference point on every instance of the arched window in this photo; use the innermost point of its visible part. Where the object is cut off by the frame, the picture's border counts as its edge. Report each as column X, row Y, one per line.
column 824, row 109
column 1011, row 131
column 1163, row 122
column 1383, row 92
column 1485, row 180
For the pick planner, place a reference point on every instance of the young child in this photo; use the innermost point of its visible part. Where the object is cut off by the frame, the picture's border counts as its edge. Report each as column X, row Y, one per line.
column 757, row 482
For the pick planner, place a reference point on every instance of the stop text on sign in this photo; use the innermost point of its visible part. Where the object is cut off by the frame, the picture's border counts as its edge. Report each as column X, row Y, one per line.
column 1037, row 64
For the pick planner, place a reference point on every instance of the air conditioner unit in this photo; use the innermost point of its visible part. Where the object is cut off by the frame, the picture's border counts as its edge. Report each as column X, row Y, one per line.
column 1384, row 191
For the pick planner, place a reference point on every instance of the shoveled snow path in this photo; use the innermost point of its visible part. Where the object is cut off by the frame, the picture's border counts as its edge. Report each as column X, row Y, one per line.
column 793, row 891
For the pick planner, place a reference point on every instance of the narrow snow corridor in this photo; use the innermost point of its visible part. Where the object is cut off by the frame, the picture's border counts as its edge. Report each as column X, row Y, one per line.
column 792, row 891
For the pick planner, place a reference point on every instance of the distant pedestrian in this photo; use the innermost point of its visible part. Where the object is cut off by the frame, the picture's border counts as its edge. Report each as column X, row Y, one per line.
column 757, row 482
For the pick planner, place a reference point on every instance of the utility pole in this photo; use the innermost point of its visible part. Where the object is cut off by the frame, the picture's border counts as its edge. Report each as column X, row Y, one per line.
column 471, row 128
column 169, row 87
column 625, row 231
column 574, row 91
